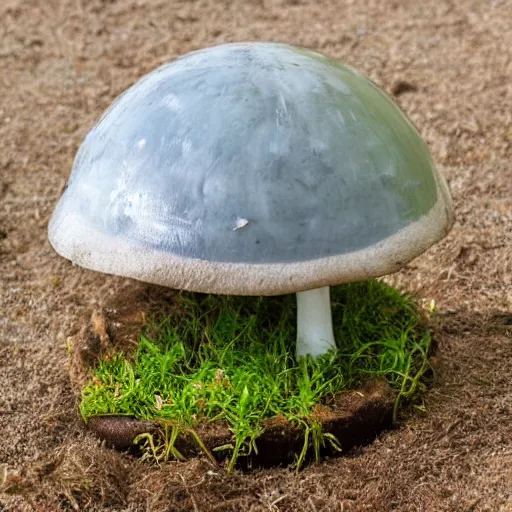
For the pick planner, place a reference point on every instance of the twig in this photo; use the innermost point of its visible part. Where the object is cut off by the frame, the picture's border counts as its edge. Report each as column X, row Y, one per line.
column 276, row 501
column 194, row 504
column 311, row 504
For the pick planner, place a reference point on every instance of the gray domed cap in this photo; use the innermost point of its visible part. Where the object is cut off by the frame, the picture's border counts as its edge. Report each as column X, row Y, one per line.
column 251, row 169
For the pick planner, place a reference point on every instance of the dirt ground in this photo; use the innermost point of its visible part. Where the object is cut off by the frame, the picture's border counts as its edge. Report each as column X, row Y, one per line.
column 449, row 64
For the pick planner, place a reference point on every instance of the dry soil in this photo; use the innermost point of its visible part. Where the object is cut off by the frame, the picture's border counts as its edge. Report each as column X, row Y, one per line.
column 449, row 65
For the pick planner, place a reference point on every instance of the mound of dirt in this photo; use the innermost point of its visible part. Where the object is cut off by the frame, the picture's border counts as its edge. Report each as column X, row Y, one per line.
column 354, row 417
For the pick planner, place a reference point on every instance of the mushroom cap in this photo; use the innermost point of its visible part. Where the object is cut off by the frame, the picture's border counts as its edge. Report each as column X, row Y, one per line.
column 251, row 169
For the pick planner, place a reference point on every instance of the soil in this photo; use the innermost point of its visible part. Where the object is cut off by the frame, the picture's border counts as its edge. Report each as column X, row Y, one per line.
column 449, row 65
column 355, row 419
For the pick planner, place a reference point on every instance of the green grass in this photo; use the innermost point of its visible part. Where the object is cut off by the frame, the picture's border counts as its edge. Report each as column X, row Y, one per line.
column 232, row 359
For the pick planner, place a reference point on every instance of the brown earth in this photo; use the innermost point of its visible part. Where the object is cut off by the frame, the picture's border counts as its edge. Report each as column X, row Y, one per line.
column 449, row 65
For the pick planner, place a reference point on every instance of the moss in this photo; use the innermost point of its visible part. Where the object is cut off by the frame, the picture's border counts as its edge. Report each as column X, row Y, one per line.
column 232, row 359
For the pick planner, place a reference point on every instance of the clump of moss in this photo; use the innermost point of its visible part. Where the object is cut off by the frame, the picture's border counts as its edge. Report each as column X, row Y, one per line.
column 232, row 359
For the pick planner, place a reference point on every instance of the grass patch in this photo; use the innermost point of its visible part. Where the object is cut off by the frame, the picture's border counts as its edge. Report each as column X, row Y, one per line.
column 232, row 359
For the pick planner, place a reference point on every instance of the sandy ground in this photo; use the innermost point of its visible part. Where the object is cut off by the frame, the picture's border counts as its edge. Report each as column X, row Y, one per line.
column 449, row 65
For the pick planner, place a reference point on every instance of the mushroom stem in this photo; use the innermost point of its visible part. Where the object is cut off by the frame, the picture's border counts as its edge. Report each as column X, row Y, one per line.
column 314, row 323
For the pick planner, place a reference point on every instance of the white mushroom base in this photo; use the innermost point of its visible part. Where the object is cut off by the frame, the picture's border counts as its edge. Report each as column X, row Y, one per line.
column 314, row 323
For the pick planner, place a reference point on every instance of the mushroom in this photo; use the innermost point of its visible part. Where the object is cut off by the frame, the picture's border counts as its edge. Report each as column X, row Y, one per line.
column 253, row 169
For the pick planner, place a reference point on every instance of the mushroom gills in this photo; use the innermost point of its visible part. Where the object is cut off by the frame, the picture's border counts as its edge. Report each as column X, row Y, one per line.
column 315, row 334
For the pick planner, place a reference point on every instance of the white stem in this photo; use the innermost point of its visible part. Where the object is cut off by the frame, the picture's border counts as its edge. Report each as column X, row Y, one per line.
column 314, row 323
